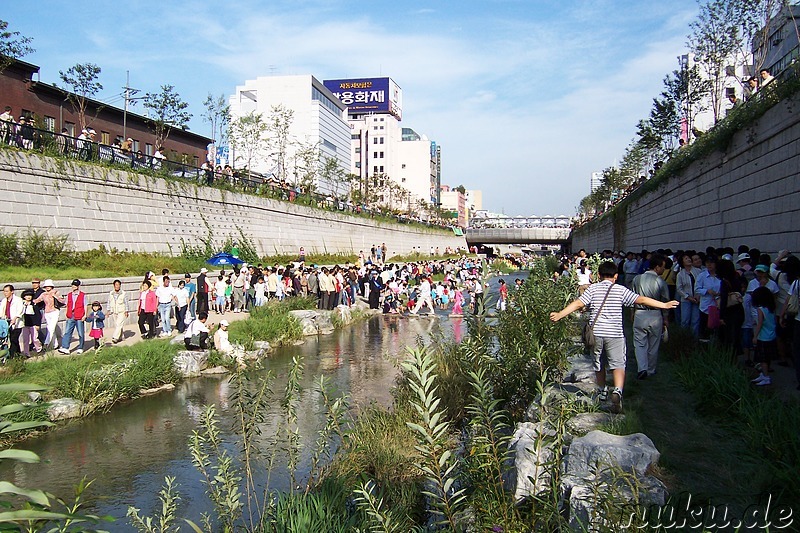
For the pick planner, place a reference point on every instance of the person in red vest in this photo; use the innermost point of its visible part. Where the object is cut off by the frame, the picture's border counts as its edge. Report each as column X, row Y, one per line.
column 76, row 313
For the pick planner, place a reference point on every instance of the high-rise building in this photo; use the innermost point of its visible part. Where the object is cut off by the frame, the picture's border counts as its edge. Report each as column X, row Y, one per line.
column 383, row 149
column 595, row 181
column 319, row 120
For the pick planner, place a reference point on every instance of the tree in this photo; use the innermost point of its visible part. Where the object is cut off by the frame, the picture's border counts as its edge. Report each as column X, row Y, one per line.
column 755, row 21
column 278, row 124
column 81, row 81
column 688, row 89
column 714, row 42
column 332, row 175
column 247, row 135
column 218, row 115
column 166, row 110
column 12, row 46
column 307, row 171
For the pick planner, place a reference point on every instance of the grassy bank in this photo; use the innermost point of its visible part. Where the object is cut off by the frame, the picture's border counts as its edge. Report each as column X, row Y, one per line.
column 116, row 373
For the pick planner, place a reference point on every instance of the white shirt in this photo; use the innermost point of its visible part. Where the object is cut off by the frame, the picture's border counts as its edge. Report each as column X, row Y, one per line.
column 221, row 342
column 195, row 328
column 183, row 297
column 165, row 294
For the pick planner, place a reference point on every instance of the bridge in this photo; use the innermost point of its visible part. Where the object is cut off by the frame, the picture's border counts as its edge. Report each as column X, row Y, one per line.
column 518, row 230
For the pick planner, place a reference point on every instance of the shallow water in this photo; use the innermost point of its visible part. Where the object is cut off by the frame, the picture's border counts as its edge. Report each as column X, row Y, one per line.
column 129, row 451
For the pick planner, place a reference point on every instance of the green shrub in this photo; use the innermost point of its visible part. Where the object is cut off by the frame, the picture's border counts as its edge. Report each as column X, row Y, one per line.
column 9, row 249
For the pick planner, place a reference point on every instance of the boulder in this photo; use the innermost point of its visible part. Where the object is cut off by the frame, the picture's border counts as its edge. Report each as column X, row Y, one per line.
column 553, row 397
column 631, row 453
column 583, row 423
column 262, row 345
column 35, row 397
column 344, row 313
column 177, row 339
column 215, row 370
column 64, row 408
column 602, row 470
column 189, row 363
column 531, row 457
column 314, row 322
column 156, row 390
column 581, row 369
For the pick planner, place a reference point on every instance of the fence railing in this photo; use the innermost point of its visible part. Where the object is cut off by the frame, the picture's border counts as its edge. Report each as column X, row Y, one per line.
column 28, row 137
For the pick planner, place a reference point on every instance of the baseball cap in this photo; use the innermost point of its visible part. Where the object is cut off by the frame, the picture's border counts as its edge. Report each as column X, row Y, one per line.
column 742, row 257
column 762, row 268
column 223, row 322
column 76, row 282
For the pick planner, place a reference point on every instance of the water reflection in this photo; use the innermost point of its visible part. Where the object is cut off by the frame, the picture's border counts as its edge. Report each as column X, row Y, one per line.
column 130, row 450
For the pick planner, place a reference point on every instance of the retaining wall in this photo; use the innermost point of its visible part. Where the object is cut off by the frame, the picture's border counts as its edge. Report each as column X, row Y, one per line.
column 750, row 194
column 100, row 206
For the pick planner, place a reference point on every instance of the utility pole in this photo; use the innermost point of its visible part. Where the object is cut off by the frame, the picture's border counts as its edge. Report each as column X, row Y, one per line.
column 127, row 95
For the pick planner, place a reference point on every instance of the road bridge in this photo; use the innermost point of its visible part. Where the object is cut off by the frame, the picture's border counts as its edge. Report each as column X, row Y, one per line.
column 518, row 230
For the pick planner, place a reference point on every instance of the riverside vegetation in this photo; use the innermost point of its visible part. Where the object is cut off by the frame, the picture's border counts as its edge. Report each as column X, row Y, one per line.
column 436, row 460
column 38, row 253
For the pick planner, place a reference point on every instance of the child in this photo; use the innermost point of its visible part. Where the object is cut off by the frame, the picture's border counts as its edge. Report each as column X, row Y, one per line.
column 28, row 320
column 458, row 302
column 765, row 337
column 96, row 318
column 260, row 291
column 747, row 329
column 501, row 301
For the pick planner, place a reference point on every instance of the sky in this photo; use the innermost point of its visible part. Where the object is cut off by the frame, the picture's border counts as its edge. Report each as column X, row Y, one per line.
column 525, row 97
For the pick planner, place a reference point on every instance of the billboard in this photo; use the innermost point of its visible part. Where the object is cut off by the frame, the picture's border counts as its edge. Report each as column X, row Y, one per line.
column 368, row 95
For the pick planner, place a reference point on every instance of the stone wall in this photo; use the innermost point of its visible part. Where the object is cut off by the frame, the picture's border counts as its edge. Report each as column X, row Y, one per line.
column 749, row 194
column 128, row 211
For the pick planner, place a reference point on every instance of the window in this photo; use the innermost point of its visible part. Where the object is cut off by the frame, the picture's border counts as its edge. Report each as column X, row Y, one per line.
column 329, row 145
column 381, row 154
column 381, row 140
column 70, row 127
column 358, row 164
column 29, row 114
column 148, row 149
column 174, row 155
column 195, row 161
column 381, row 127
column 355, row 136
column 105, row 137
column 375, row 169
column 374, row 140
column 403, row 166
column 375, row 128
column 184, row 158
column 358, row 149
column 118, row 139
column 381, row 119
column 50, row 123
column 375, row 155
column 381, row 168
column 730, row 91
column 402, row 180
column 135, row 145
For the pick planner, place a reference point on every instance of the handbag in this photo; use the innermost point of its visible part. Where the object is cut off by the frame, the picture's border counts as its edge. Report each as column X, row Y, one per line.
column 56, row 303
column 713, row 317
column 589, row 340
column 194, row 340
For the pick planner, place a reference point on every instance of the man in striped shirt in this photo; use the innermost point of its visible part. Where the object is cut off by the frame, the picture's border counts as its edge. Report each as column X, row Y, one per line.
column 607, row 326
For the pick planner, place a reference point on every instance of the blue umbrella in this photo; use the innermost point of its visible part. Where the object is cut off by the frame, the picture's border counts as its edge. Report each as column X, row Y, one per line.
column 224, row 259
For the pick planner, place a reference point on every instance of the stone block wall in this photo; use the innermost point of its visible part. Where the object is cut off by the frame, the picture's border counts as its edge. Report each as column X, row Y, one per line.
column 750, row 194
column 128, row 211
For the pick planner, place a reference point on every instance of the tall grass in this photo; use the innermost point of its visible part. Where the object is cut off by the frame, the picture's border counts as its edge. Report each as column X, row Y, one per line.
column 766, row 423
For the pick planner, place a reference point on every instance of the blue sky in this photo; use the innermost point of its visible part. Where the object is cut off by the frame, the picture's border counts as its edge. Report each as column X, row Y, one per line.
column 526, row 97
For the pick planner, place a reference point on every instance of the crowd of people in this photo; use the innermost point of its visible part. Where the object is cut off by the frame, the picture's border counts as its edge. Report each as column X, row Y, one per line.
column 744, row 299
column 165, row 306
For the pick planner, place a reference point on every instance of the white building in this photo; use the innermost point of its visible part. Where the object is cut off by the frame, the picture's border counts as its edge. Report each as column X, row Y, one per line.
column 595, row 181
column 381, row 146
column 319, row 119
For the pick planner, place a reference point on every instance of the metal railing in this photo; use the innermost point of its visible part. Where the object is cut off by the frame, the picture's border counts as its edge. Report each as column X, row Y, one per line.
column 27, row 137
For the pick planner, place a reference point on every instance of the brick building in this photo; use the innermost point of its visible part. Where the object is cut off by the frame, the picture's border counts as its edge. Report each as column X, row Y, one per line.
column 53, row 111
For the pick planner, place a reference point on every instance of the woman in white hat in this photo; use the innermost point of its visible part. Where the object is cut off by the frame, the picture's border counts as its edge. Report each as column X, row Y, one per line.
column 52, row 303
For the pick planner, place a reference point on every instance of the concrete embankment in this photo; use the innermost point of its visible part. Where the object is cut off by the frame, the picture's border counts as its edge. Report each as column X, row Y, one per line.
column 96, row 206
column 747, row 194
